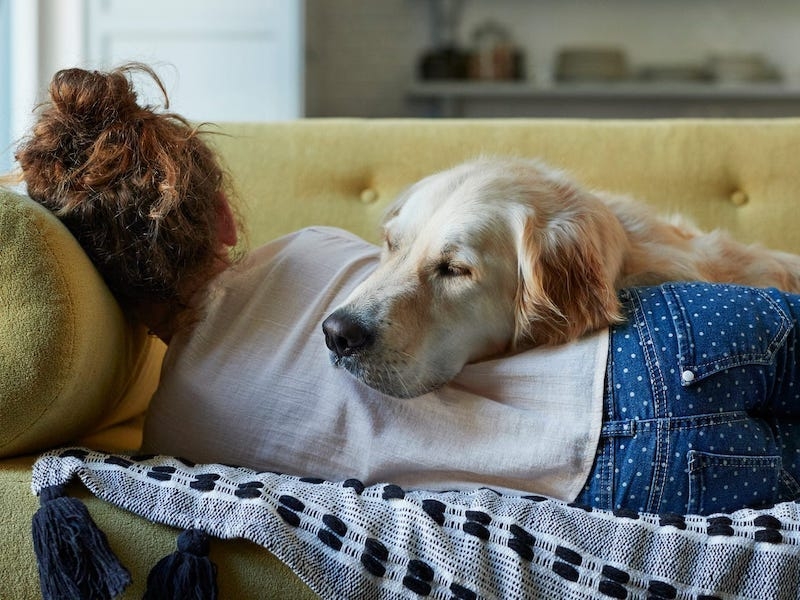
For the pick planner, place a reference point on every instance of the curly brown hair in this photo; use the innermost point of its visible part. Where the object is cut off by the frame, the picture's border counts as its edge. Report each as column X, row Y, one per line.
column 137, row 187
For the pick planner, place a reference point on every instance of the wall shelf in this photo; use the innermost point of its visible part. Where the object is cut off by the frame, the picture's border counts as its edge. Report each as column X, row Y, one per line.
column 618, row 99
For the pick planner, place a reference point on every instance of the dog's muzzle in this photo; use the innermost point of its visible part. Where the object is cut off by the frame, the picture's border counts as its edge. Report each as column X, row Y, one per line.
column 346, row 335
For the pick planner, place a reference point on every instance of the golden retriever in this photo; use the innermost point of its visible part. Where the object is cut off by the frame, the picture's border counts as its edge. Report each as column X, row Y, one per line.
column 496, row 254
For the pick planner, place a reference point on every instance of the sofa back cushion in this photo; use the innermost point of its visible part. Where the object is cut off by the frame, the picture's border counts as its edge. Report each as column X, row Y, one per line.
column 67, row 354
column 739, row 174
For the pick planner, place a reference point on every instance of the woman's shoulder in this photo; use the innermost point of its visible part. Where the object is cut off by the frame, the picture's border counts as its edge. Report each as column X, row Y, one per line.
column 307, row 264
column 320, row 241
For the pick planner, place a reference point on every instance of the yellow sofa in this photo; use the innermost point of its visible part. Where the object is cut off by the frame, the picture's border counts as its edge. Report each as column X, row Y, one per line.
column 72, row 369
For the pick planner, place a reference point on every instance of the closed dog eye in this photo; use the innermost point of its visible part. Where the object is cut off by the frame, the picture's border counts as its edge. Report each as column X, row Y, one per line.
column 449, row 269
column 390, row 244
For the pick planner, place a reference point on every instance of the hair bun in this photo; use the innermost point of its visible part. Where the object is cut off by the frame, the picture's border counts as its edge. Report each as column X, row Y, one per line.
column 88, row 135
column 92, row 98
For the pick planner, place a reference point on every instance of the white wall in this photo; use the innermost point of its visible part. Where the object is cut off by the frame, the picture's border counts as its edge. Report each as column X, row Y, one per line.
column 5, row 87
column 61, row 38
column 21, row 69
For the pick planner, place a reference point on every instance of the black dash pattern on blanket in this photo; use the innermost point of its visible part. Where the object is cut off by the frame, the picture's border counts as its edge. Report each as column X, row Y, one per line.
column 387, row 542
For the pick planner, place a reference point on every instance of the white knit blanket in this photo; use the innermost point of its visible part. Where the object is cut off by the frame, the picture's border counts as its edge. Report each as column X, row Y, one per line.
column 384, row 542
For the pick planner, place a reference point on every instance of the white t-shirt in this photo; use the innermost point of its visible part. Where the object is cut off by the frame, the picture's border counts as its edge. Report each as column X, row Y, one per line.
column 252, row 385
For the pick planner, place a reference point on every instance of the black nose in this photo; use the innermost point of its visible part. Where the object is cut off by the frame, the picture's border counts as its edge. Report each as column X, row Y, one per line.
column 345, row 335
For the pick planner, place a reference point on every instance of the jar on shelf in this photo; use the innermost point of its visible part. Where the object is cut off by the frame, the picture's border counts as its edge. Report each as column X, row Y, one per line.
column 494, row 55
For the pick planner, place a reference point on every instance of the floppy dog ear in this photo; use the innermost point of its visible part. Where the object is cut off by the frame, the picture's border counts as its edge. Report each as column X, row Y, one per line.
column 568, row 269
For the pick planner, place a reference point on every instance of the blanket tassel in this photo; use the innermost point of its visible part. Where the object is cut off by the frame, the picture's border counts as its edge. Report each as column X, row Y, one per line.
column 75, row 559
column 186, row 573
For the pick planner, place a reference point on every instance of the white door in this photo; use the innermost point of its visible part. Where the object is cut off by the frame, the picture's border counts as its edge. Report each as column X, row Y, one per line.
column 221, row 60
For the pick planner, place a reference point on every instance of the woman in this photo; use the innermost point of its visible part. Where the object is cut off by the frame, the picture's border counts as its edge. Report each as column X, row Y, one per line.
column 683, row 408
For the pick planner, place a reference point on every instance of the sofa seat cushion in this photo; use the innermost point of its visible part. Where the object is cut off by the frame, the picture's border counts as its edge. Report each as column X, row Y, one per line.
column 67, row 353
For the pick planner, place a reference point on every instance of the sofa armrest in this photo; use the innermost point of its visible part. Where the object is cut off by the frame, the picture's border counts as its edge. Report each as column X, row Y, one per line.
column 69, row 359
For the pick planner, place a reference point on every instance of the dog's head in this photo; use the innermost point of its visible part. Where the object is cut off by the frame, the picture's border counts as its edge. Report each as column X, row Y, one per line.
column 485, row 258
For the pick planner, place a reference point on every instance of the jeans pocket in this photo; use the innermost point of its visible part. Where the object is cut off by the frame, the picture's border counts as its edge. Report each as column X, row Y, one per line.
column 724, row 483
column 722, row 326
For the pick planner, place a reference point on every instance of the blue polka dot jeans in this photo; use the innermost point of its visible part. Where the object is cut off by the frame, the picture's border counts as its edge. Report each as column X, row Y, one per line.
column 702, row 402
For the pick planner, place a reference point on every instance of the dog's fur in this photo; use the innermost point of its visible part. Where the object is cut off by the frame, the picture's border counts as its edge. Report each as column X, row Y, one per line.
column 500, row 254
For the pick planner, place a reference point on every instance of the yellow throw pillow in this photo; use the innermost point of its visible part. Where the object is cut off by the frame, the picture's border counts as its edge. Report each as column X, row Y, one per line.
column 68, row 356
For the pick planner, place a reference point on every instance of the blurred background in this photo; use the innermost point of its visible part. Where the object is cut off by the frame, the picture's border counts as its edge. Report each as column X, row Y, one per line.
column 244, row 60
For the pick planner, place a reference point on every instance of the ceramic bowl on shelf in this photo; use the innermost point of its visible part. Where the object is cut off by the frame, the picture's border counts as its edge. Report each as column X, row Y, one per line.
column 742, row 68
column 591, row 64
